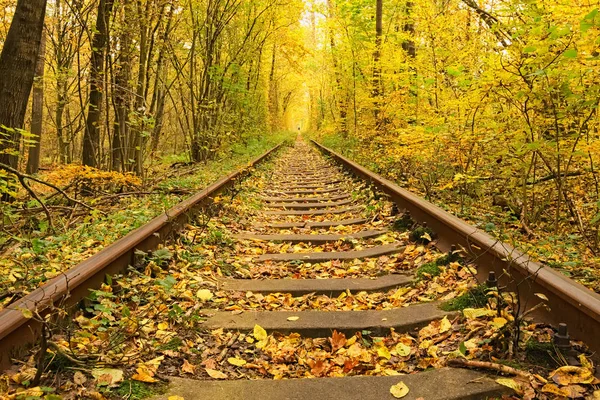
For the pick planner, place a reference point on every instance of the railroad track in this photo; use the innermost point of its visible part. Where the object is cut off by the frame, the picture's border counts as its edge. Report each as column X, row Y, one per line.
column 310, row 272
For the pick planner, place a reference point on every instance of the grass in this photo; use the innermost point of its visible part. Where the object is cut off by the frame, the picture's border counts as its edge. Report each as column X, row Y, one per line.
column 428, row 270
column 420, row 233
column 37, row 256
column 543, row 354
column 474, row 298
column 134, row 390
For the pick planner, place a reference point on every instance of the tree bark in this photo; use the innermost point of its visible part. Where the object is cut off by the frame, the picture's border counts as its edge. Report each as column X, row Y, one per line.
column 377, row 91
column 17, row 70
column 340, row 95
column 409, row 28
column 37, row 111
column 91, row 136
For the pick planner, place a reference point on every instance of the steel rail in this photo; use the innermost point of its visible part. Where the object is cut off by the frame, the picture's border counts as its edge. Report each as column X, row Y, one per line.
column 569, row 302
column 17, row 331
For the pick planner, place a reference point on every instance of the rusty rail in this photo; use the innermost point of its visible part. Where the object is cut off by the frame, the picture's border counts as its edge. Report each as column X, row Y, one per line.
column 569, row 301
column 17, row 331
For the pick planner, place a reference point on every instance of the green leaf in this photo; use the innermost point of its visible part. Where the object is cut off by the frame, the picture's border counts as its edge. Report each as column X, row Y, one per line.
column 571, row 53
column 529, row 49
column 462, row 348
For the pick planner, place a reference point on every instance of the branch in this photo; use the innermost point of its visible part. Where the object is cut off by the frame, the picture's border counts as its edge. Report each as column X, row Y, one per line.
column 490, row 21
column 505, row 369
column 553, row 176
column 21, row 177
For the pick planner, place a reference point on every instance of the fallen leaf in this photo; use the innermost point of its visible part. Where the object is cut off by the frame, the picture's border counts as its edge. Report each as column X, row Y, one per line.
column 542, row 296
column 79, row 378
column 238, row 362
column 554, row 389
column 293, row 318
column 188, row 368
column 445, row 325
column 474, row 313
column 498, row 322
column 213, row 373
column 317, row 368
column 384, row 352
column 402, row 349
column 107, row 376
column 204, row 294
column 259, row 333
column 175, row 398
column 571, row 374
column 399, row 390
column 337, row 340
column 143, row 375
column 511, row 383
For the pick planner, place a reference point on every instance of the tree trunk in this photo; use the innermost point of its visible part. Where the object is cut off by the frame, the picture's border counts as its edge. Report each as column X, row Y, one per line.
column 273, row 93
column 91, row 136
column 377, row 91
column 37, row 111
column 342, row 98
column 122, row 104
column 409, row 28
column 17, row 71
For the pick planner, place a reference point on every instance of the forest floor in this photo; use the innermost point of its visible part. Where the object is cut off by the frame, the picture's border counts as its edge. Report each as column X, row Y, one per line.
column 154, row 322
column 32, row 250
column 565, row 252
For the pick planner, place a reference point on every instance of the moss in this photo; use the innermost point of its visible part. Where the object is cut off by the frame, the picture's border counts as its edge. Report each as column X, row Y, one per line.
column 428, row 270
column 543, row 354
column 448, row 258
column 417, row 234
column 216, row 237
column 474, row 298
column 134, row 390
column 402, row 224
column 57, row 362
column 174, row 344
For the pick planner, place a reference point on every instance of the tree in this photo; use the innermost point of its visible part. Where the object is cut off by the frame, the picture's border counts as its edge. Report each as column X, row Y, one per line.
column 17, row 70
column 91, row 137
column 37, row 112
column 377, row 84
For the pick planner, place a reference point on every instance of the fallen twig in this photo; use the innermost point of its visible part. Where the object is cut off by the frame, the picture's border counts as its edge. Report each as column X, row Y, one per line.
column 505, row 369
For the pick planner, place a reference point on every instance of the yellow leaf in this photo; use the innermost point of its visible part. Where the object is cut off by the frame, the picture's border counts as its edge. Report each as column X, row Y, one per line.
column 572, row 374
column 445, row 325
column 213, row 373
column 542, row 296
column 384, row 352
column 499, row 322
column 293, row 318
column 426, row 236
column 143, row 375
column 508, row 382
column 238, row 362
column 402, row 349
column 399, row 390
column 259, row 333
column 204, row 294
column 175, row 398
column 163, row 326
column 554, row 389
column 474, row 313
